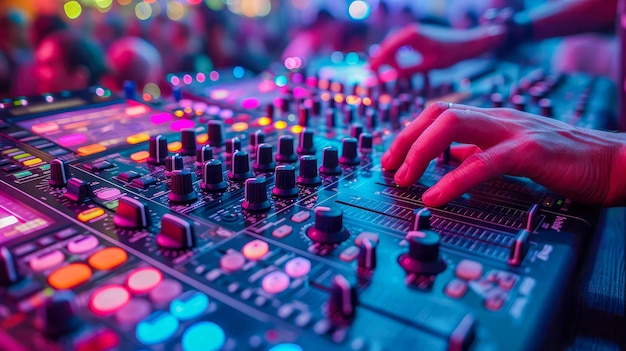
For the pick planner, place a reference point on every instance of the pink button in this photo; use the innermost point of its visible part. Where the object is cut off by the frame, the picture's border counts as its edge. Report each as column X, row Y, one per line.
column 108, row 194
column 469, row 270
column 82, row 244
column 49, row 260
column 142, row 280
column 109, row 299
column 456, row 288
column 298, row 267
column 232, row 261
column 275, row 282
column 165, row 292
column 133, row 312
column 255, row 250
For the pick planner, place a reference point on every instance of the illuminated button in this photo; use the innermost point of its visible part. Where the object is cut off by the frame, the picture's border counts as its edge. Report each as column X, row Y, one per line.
column 108, row 258
column 232, row 261
column 189, row 305
column 142, row 280
column 90, row 149
column 174, row 147
column 275, row 282
column 280, row 125
column 108, row 299
column 140, row 156
column 298, row 267
column 165, row 292
column 264, row 121
column 133, row 312
column 156, row 328
column 203, row 336
column 469, row 270
column 108, row 194
column 46, row 261
column 90, row 214
column 82, row 244
column 239, row 126
column 137, row 138
column 21, row 156
column 286, row 347
column 301, row 216
column 21, row 174
column 202, row 138
column 69, row 276
column 104, row 339
column 10, row 151
column 32, row 162
column 456, row 288
column 282, row 231
column 255, row 250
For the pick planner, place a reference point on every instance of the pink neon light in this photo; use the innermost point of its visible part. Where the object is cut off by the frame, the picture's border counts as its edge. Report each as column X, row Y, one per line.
column 250, row 103
column 73, row 139
column 161, row 118
column 182, row 124
column 300, row 92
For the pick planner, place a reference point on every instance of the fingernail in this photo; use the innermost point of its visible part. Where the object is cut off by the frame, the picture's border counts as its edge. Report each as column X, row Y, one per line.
column 431, row 195
column 401, row 173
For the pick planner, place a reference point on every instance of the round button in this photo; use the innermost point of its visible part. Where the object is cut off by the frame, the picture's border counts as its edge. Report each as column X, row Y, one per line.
column 189, row 305
column 69, row 276
column 83, row 244
column 108, row 299
column 108, row 194
column 286, row 347
column 134, row 311
column 255, row 250
column 156, row 328
column 275, row 282
column 142, row 280
column 46, row 261
column 203, row 336
column 108, row 258
column 165, row 292
column 298, row 267
column 232, row 261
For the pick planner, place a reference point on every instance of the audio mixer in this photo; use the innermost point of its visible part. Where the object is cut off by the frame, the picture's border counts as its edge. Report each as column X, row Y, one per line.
column 253, row 214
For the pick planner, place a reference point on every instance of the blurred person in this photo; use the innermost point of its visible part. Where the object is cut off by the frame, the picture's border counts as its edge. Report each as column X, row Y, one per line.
column 44, row 25
column 132, row 58
column 323, row 36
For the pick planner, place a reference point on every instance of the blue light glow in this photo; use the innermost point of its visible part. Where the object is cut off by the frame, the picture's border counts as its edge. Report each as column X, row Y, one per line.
column 189, row 305
column 156, row 328
column 203, row 336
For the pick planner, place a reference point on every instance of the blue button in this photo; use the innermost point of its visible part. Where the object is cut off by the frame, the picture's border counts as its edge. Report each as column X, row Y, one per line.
column 189, row 305
column 156, row 328
column 286, row 347
column 203, row 336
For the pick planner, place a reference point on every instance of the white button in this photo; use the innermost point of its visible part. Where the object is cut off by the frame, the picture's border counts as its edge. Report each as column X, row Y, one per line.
column 46, row 261
column 301, row 216
column 232, row 261
column 282, row 231
column 275, row 282
column 298, row 267
column 350, row 254
column 83, row 244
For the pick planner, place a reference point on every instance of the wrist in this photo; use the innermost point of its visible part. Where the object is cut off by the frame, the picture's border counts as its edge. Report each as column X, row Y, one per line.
column 517, row 26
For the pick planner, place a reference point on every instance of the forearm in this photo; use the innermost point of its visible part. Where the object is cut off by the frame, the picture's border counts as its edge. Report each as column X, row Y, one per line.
column 617, row 190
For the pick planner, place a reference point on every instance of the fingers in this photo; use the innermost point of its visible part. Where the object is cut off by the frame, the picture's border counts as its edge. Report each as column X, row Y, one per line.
column 460, row 153
column 390, row 46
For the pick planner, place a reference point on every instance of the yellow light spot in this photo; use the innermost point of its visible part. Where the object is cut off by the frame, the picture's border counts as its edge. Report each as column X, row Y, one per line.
column 137, row 138
column 179, row 113
column 264, row 121
column 90, row 149
column 280, row 124
column 140, row 156
column 175, row 10
column 338, row 98
column 90, row 214
column 367, row 101
column 124, row 2
column 175, row 146
column 72, row 9
column 143, row 11
column 202, row 138
column 32, row 162
column 296, row 129
column 353, row 99
column 240, row 126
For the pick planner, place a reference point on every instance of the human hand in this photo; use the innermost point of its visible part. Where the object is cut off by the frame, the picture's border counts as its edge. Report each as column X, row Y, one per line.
column 583, row 164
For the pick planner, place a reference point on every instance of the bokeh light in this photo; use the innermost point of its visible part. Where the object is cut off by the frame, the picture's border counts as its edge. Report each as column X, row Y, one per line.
column 359, row 10
column 143, row 11
column 153, row 90
column 215, row 5
column 124, row 2
column 175, row 10
column 238, row 72
column 103, row 4
column 72, row 9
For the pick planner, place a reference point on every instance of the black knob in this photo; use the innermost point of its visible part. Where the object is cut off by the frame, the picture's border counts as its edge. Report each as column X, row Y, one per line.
column 257, row 138
column 349, row 155
column 308, row 171
column 269, row 111
column 57, row 315
column 176, row 233
column 182, row 187
column 371, row 119
column 348, row 114
column 421, row 219
column 78, row 190
column 131, row 214
column 240, row 168
column 546, row 107
column 519, row 102
column 329, row 116
column 306, row 146
column 285, row 181
column 316, row 109
column 366, row 143
column 286, row 152
column 367, row 255
column 9, row 273
column 173, row 163
column 355, row 130
column 213, row 176
column 341, row 306
column 497, row 100
column 232, row 145
column 423, row 256
column 383, row 112
column 328, row 228
column 215, row 133
column 255, row 196
column 59, row 173
column 203, row 154
column 188, row 141
column 304, row 114
column 330, row 161
column 157, row 149
column 265, row 159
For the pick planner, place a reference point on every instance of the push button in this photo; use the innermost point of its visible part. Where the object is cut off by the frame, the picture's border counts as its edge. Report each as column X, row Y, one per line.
column 108, row 258
column 203, row 336
column 275, row 282
column 83, row 244
column 69, row 276
column 189, row 305
column 49, row 260
column 156, row 328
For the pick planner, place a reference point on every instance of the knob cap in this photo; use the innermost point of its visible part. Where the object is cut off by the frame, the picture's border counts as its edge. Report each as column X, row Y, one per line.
column 341, row 306
column 59, row 173
column 256, row 138
column 304, row 114
column 232, row 145
column 330, row 161
column 546, row 107
column 308, row 171
column 255, row 196
column 57, row 315
column 348, row 114
column 371, row 119
column 213, row 177
column 328, row 228
column 78, row 190
column 157, row 149
column 173, row 163
column 131, row 214
column 215, row 133
column 176, row 233
column 9, row 273
column 421, row 219
column 306, row 146
column 240, row 168
column 188, row 141
column 423, row 256
column 519, row 102
column 366, row 143
column 367, row 255
column 203, row 154
column 329, row 117
column 269, row 111
column 286, row 152
column 355, row 130
column 285, row 181
column 182, row 187
column 349, row 155
column 264, row 158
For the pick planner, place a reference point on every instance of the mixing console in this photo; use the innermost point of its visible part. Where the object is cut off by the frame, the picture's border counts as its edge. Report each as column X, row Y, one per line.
column 254, row 214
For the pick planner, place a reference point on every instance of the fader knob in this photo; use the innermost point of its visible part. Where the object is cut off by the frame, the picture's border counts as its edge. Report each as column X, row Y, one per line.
column 306, row 146
column 423, row 256
column 188, row 141
column 304, row 114
column 173, row 163
column 265, row 159
column 519, row 102
column 308, row 171
column 421, row 219
column 269, row 111
column 130, row 214
column 59, row 173
column 328, row 228
column 176, row 233
column 371, row 119
column 329, row 116
column 203, row 154
column 78, row 190
column 213, row 177
column 215, row 133
column 285, row 181
column 366, row 143
column 341, row 306
column 240, row 168
column 255, row 196
column 182, row 187
column 9, row 273
column 348, row 114
column 349, row 155
column 367, row 255
column 286, row 152
column 330, row 161
column 57, row 315
column 355, row 130
column 157, row 150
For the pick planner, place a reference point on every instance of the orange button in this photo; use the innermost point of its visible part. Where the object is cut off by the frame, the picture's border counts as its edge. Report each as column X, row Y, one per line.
column 239, row 126
column 108, row 258
column 90, row 214
column 137, row 138
column 202, row 138
column 69, row 276
column 90, row 149
column 175, row 146
column 32, row 162
column 140, row 156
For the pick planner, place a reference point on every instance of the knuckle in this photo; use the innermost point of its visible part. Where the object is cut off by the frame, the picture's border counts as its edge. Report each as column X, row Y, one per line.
column 480, row 160
column 450, row 117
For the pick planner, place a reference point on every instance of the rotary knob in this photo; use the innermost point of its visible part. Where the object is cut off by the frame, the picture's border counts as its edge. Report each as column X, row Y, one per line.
column 304, row 114
column 349, row 155
column 215, row 133
column 78, row 190
column 256, row 138
column 366, row 143
column 328, row 228
column 421, row 219
column 203, row 154
column 131, row 214
column 213, row 177
column 330, row 161
column 286, row 152
column 423, row 256
column 157, row 150
column 285, row 181
column 371, row 119
column 182, row 187
column 188, row 142
column 355, row 130
column 59, row 173
column 306, row 146
column 264, row 159
column 255, row 196
column 176, row 233
column 57, row 315
column 232, row 145
column 329, row 117
column 173, row 163
column 308, row 171
column 9, row 273
column 341, row 306
column 240, row 167
column 348, row 115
